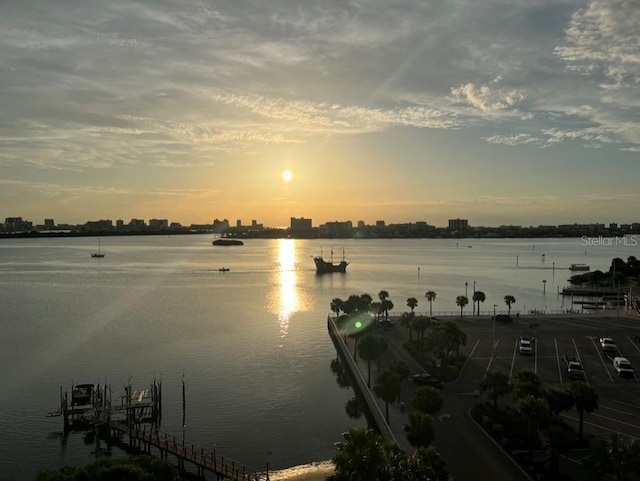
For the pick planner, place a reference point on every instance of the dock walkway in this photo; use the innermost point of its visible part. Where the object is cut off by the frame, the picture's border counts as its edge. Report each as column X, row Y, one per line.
column 146, row 439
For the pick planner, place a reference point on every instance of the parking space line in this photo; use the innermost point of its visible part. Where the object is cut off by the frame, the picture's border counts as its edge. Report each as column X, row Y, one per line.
column 624, row 403
column 513, row 360
column 599, row 426
column 617, row 421
column 634, row 344
column 601, row 359
column 579, row 360
column 555, row 341
column 467, row 360
column 618, row 410
column 493, row 353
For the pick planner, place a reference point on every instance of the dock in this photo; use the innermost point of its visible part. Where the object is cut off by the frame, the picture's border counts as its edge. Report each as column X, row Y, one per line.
column 134, row 422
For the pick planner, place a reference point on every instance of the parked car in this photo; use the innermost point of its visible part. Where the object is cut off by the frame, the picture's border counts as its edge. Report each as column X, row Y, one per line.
column 525, row 346
column 504, row 318
column 574, row 368
column 622, row 366
column 608, row 345
column 425, row 379
column 386, row 323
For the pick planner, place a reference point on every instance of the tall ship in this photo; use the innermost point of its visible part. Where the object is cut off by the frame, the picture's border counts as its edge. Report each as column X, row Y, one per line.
column 324, row 267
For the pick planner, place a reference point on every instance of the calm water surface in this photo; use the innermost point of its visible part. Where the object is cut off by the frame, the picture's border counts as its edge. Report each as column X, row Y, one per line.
column 251, row 343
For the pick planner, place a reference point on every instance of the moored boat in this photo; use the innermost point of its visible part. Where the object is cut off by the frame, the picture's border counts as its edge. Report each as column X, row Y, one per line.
column 579, row 267
column 227, row 242
column 324, row 267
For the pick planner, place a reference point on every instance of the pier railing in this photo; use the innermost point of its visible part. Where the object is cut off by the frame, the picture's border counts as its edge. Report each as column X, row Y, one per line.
column 144, row 439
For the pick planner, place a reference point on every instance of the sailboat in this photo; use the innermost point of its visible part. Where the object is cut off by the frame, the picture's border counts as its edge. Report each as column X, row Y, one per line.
column 98, row 254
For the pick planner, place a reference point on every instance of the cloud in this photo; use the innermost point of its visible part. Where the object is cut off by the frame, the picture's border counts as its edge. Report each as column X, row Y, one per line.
column 602, row 39
column 337, row 118
column 486, row 99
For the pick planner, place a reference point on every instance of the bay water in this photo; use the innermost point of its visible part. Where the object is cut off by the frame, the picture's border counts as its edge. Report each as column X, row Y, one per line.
column 251, row 344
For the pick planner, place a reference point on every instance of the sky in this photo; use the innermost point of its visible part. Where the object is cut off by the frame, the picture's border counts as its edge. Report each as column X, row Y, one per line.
column 497, row 111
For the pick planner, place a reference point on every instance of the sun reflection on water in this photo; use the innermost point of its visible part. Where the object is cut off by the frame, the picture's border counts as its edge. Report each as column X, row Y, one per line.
column 288, row 298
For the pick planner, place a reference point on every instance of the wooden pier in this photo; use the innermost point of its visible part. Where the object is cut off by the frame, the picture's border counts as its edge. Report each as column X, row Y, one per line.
column 134, row 422
column 145, row 439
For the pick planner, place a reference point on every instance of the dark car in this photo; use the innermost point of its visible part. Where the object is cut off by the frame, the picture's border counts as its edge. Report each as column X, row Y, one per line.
column 504, row 318
column 427, row 380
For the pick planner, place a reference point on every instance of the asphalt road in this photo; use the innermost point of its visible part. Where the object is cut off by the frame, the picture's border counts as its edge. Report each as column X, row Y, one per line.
column 470, row 453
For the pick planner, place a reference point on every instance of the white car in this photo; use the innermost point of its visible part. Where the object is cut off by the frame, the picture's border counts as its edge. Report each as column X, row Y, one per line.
column 525, row 346
column 608, row 345
column 622, row 366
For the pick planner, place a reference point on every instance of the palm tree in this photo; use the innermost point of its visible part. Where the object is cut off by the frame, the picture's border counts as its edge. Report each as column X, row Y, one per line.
column 420, row 323
column 478, row 297
column 382, row 295
column 534, row 409
column 359, row 456
column 406, row 320
column 336, row 306
column 387, row 388
column 369, row 351
column 419, row 430
column 401, row 369
column 387, row 305
column 508, row 300
column 365, row 302
column 427, row 399
column 496, row 384
column 559, row 400
column 461, row 301
column 431, row 296
column 455, row 337
column 376, row 309
column 617, row 457
column 527, row 383
column 586, row 398
column 426, row 463
column 412, row 302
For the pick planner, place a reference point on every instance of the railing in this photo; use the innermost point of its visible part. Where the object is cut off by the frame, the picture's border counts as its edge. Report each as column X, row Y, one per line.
column 209, row 461
column 374, row 409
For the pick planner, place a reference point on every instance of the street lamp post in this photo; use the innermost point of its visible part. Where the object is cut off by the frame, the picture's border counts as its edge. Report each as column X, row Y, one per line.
column 466, row 284
column 544, row 286
column 493, row 329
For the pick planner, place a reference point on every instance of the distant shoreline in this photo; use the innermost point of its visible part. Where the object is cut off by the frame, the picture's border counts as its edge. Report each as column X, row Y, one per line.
column 279, row 235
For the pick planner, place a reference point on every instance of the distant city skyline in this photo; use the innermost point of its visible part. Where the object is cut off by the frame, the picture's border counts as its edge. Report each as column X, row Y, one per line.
column 297, row 223
column 514, row 113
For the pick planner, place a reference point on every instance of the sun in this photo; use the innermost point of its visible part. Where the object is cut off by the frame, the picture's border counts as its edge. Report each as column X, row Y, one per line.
column 287, row 176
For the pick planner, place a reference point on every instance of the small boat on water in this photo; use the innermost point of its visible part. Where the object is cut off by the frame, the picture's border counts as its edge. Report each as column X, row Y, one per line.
column 227, row 242
column 579, row 267
column 224, row 269
column 98, row 254
column 324, row 267
column 81, row 394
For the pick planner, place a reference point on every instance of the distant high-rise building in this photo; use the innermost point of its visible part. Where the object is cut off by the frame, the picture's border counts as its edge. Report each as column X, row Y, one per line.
column 380, row 223
column 137, row 224
column 220, row 225
column 238, row 223
column 458, row 224
column 301, row 224
column 158, row 224
column 49, row 224
column 16, row 224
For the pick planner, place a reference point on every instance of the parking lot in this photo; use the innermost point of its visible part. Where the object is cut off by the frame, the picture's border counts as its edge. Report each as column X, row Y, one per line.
column 553, row 337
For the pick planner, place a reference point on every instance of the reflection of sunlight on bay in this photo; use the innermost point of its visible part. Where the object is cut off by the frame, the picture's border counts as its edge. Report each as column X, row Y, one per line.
column 288, row 295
